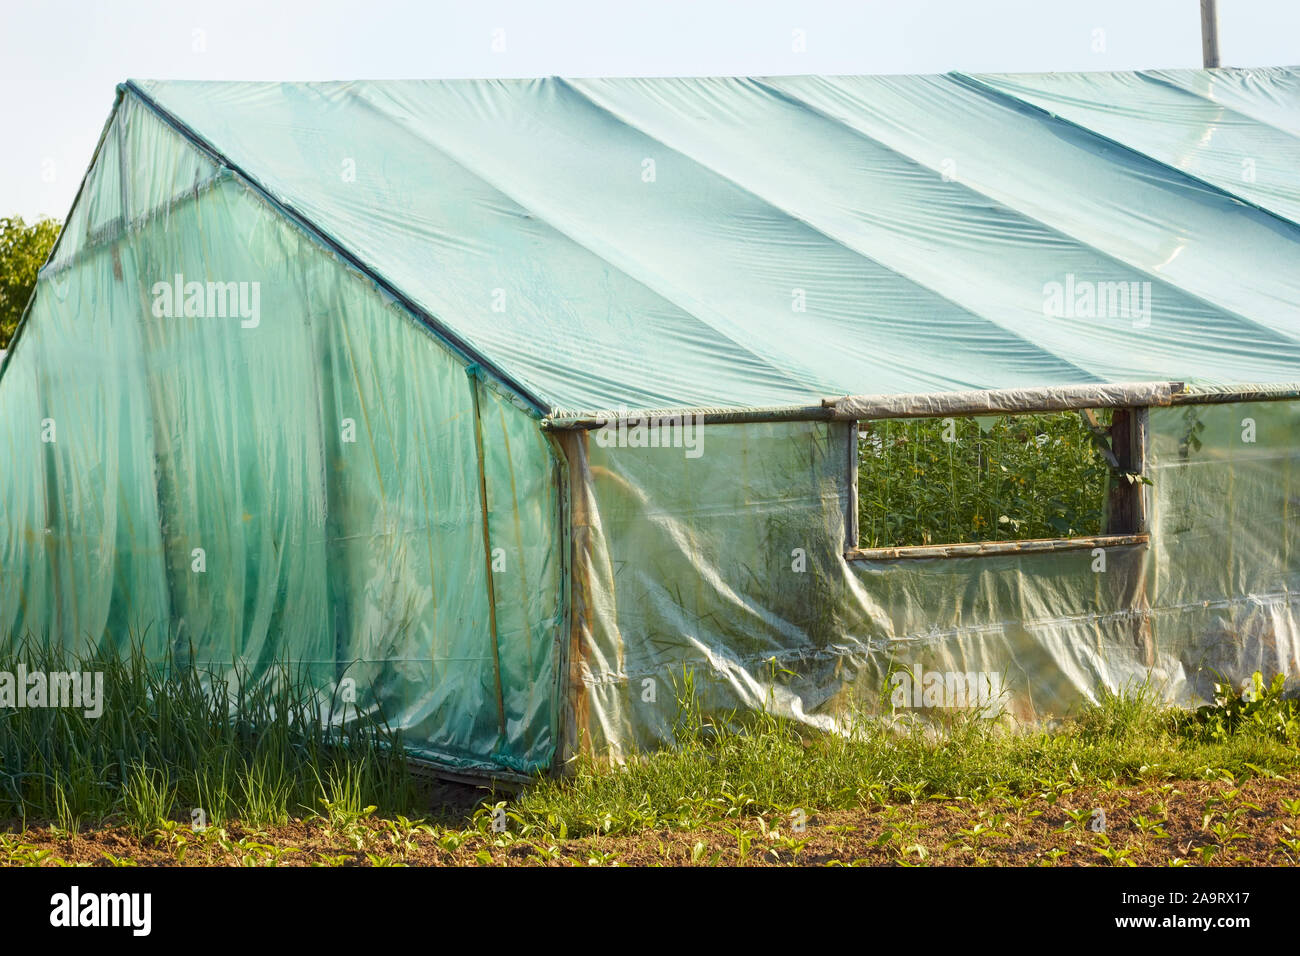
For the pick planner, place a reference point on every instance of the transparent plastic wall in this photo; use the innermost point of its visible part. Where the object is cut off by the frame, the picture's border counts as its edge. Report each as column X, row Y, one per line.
column 1226, row 566
column 688, row 560
column 281, row 467
column 731, row 567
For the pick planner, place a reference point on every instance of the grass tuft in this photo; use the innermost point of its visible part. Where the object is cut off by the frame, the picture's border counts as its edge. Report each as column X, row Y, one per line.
column 174, row 740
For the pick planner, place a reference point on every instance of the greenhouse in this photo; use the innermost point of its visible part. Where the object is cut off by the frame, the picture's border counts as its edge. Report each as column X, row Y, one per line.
column 514, row 410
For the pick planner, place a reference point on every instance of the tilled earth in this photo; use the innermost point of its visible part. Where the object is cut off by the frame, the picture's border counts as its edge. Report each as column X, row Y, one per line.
column 1198, row 823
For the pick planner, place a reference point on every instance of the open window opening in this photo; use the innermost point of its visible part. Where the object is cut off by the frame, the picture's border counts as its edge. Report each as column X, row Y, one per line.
column 969, row 485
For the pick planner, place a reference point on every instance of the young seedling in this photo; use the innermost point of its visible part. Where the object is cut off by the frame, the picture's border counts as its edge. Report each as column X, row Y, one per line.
column 1150, row 828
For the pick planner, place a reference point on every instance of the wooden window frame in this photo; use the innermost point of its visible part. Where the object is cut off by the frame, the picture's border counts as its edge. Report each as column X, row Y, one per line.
column 1126, row 514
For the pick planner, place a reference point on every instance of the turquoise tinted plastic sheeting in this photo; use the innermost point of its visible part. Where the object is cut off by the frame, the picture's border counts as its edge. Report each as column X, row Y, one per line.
column 731, row 566
column 1088, row 194
column 652, row 243
column 1240, row 140
column 286, row 472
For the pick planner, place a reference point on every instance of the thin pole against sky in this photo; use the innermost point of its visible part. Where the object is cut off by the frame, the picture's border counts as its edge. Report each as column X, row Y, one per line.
column 1209, row 34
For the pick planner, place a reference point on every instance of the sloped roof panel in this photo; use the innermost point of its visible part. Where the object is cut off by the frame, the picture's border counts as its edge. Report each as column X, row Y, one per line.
column 1208, row 140
column 734, row 243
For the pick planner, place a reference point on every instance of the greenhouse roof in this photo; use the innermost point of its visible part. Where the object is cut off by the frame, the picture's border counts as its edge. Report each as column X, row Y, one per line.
column 734, row 243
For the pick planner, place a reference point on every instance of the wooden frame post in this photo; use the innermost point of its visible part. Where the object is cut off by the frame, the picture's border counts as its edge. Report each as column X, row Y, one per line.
column 1126, row 511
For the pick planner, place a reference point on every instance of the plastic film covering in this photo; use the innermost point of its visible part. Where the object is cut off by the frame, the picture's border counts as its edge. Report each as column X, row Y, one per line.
column 282, row 466
column 1003, row 401
column 1136, row 210
column 731, row 565
column 923, row 234
column 1226, row 573
column 1236, row 135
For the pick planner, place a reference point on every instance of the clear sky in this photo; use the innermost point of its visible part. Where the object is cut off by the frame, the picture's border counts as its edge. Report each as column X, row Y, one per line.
column 60, row 59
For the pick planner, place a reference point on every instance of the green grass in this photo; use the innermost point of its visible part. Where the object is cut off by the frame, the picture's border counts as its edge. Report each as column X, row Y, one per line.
column 1000, row 478
column 166, row 745
column 778, row 768
column 172, row 739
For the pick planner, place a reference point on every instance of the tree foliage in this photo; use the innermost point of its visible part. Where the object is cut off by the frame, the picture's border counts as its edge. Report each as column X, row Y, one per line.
column 23, row 250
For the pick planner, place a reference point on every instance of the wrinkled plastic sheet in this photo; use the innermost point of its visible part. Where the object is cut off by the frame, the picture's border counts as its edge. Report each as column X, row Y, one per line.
column 1003, row 401
column 296, row 484
column 663, row 237
column 731, row 567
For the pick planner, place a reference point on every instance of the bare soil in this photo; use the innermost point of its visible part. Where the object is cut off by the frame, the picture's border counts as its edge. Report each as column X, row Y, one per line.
column 1184, row 822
